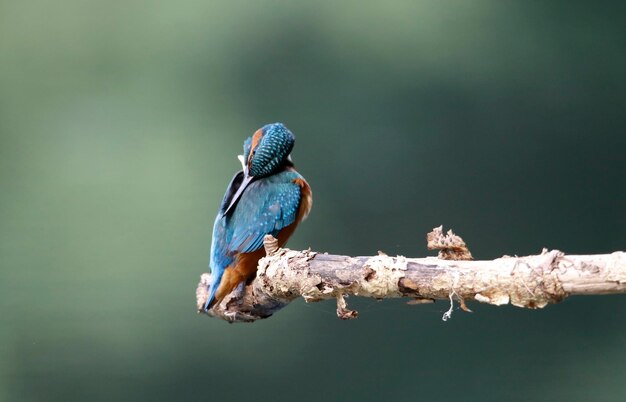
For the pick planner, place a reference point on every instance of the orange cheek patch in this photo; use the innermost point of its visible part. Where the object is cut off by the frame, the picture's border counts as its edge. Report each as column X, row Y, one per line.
column 256, row 138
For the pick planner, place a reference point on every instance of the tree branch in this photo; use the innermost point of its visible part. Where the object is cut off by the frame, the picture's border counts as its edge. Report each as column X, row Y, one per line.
column 531, row 282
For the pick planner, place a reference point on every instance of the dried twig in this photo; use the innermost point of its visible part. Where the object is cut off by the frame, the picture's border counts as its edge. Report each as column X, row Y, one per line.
column 531, row 282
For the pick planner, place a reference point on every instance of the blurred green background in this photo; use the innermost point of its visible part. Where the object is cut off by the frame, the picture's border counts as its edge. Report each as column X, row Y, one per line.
column 120, row 122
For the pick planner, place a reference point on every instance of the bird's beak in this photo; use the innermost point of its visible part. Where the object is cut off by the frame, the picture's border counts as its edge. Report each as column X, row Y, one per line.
column 246, row 180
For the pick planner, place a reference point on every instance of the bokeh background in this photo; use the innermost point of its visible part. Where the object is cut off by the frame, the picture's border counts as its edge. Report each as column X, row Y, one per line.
column 120, row 122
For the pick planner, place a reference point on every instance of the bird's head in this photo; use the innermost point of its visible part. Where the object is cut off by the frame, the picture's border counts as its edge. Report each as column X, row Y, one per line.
column 267, row 150
column 265, row 153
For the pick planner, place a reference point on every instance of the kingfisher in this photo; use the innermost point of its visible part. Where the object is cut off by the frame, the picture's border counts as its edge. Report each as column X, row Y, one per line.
column 267, row 197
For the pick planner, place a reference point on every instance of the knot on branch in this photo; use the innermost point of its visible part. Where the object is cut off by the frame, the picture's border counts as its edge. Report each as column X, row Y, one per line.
column 284, row 273
column 382, row 275
column 270, row 243
column 450, row 246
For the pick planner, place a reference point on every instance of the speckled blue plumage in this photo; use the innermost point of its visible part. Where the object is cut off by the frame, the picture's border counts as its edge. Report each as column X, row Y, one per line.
column 268, row 205
column 273, row 148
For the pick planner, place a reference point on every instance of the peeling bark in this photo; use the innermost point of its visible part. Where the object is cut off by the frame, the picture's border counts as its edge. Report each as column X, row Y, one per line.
column 530, row 282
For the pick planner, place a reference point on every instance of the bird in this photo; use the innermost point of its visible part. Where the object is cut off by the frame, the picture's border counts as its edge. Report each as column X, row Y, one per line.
column 268, row 196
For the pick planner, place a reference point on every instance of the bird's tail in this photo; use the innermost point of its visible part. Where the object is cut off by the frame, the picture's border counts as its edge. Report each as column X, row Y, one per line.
column 216, row 278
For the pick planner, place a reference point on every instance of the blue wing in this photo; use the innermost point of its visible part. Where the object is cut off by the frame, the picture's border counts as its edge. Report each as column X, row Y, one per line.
column 266, row 207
